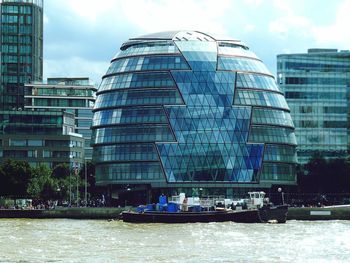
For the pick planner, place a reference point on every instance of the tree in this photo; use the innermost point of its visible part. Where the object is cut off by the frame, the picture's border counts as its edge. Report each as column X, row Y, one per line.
column 324, row 176
column 61, row 171
column 14, row 178
column 42, row 184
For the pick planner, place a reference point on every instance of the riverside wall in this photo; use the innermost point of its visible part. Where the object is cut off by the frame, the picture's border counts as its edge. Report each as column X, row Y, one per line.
column 294, row 213
column 73, row 213
column 319, row 213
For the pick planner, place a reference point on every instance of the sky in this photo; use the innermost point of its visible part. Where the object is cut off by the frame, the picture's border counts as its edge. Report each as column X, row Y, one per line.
column 82, row 36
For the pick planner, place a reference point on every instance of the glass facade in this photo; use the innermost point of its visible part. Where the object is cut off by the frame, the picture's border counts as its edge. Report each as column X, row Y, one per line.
column 21, row 51
column 317, row 87
column 181, row 109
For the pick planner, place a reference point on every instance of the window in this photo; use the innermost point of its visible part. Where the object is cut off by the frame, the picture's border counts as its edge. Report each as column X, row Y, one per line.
column 14, row 142
column 32, row 154
column 35, row 143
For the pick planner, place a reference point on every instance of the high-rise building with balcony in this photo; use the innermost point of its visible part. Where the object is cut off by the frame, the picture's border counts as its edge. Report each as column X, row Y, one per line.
column 187, row 112
column 40, row 138
column 21, row 41
column 73, row 95
column 317, row 88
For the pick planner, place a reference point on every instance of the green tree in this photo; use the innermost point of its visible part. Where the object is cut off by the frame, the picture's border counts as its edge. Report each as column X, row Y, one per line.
column 14, row 178
column 61, row 171
column 42, row 184
column 324, row 176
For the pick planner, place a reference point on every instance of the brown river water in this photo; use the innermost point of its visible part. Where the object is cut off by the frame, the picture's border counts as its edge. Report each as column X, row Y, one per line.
column 65, row 240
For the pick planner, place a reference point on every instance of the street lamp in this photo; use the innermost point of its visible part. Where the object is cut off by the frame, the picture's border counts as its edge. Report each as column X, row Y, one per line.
column 75, row 168
column 85, row 199
column 282, row 194
column 70, row 183
column 76, row 173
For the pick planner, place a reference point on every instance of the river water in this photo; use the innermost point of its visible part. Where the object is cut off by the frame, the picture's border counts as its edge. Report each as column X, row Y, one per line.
column 64, row 240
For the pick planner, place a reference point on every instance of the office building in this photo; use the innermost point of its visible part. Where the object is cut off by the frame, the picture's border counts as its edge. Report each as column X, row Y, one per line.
column 73, row 95
column 21, row 41
column 46, row 138
column 187, row 112
column 317, row 88
column 42, row 137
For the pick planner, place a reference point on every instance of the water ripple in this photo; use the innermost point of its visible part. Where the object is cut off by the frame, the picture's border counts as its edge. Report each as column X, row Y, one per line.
column 64, row 240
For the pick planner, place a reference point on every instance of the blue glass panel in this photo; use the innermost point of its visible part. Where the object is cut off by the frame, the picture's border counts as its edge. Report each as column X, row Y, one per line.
column 147, row 63
column 280, row 153
column 139, row 171
column 127, row 115
column 271, row 116
column 255, row 81
column 272, row 135
column 146, row 48
column 133, row 133
column 211, row 161
column 231, row 49
column 199, row 55
column 205, row 125
column 278, row 172
column 138, row 97
column 137, row 80
column 260, row 98
column 125, row 152
column 206, row 88
column 242, row 64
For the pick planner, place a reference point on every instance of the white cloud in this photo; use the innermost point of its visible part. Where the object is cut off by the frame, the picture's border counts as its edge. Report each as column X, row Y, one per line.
column 249, row 27
column 289, row 24
column 253, row 3
column 153, row 16
column 337, row 33
column 91, row 10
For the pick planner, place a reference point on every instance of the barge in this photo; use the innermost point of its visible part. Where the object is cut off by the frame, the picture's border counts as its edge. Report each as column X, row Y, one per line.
column 253, row 210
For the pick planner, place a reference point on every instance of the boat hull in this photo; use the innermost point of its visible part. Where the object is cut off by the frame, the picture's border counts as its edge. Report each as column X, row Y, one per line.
column 263, row 215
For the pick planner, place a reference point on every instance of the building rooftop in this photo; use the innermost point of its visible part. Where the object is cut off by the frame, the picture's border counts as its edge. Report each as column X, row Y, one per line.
column 327, row 52
column 179, row 35
column 35, row 2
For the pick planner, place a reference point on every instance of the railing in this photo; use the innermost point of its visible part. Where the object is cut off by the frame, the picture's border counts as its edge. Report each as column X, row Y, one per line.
column 39, row 3
column 311, row 199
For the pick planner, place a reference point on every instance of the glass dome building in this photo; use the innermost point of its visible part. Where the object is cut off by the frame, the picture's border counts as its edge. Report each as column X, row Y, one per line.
column 187, row 112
